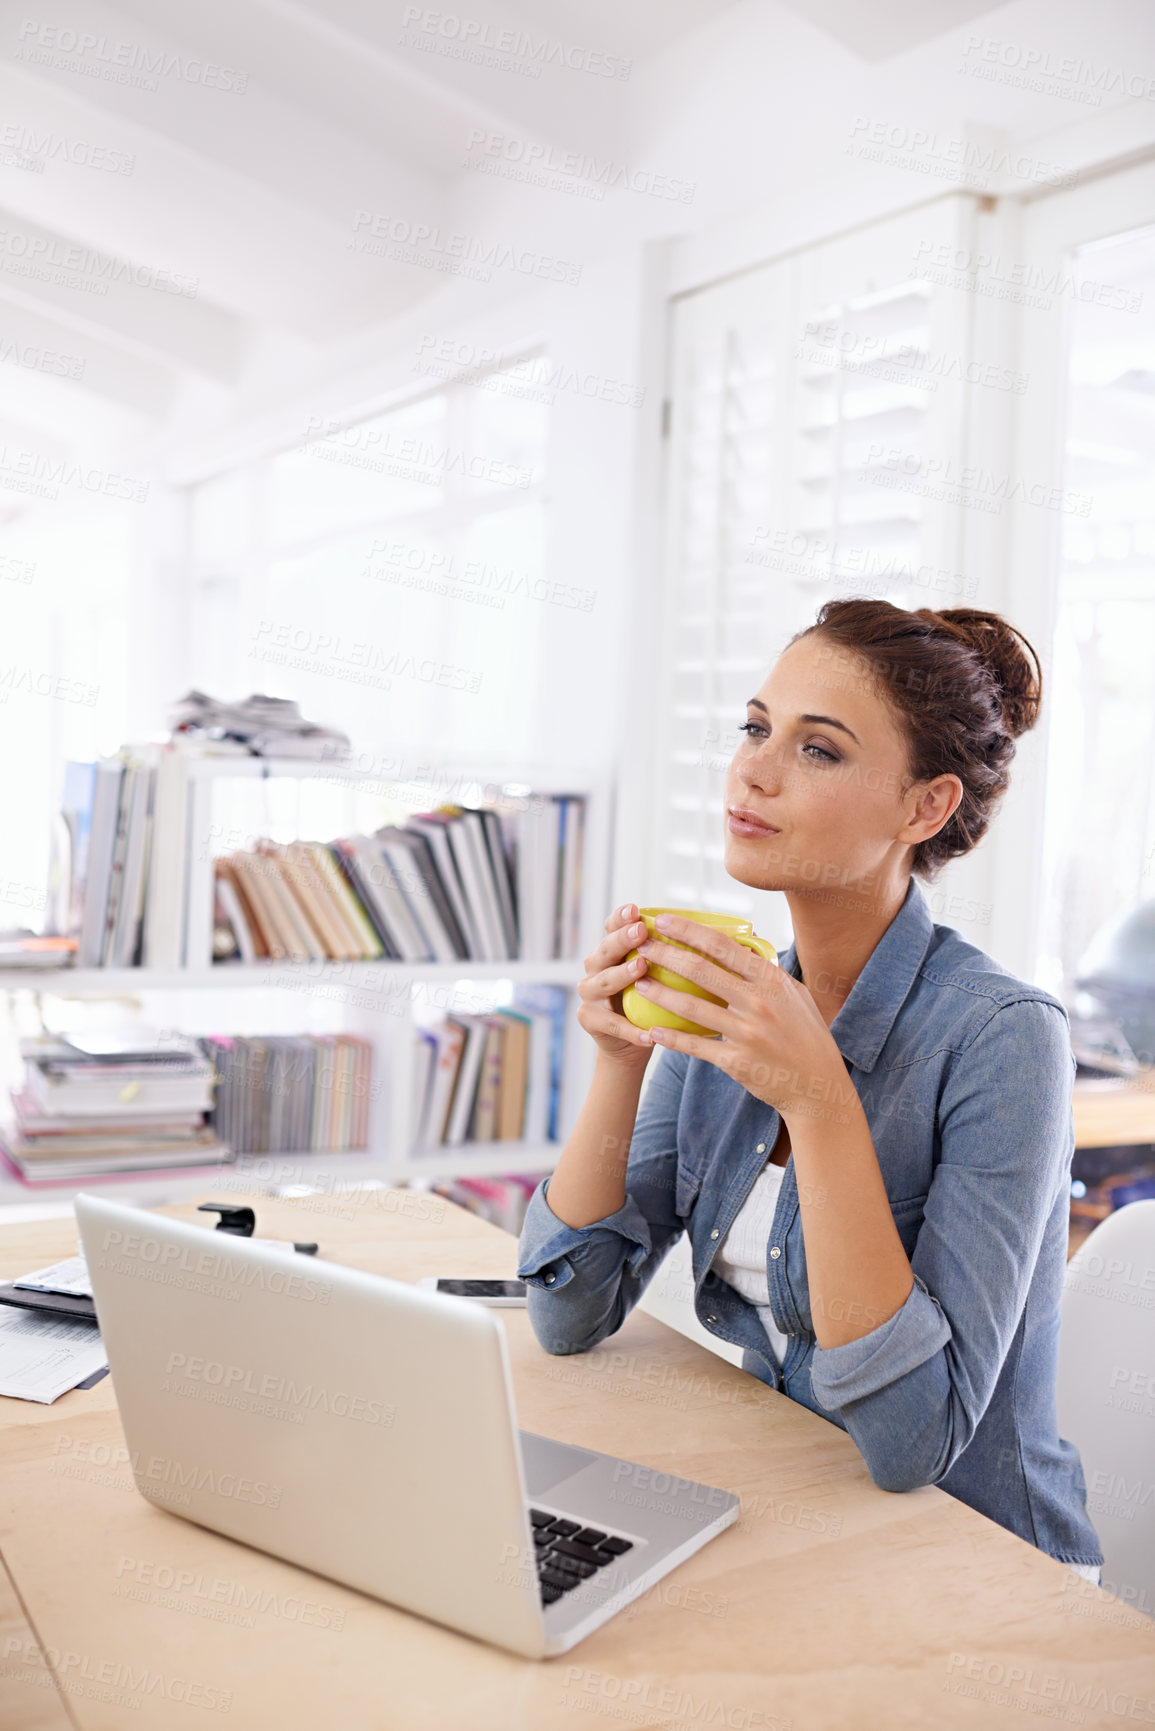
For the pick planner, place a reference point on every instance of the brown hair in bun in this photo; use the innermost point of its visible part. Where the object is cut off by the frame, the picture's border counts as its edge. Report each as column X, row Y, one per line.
column 964, row 690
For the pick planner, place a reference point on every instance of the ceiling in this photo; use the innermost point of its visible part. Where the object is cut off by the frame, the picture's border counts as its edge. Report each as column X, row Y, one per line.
column 180, row 184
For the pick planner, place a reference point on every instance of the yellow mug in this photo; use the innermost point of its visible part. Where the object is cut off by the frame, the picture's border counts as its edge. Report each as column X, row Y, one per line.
column 643, row 1012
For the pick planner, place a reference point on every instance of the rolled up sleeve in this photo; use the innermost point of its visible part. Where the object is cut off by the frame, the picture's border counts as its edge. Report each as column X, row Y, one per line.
column 582, row 1281
column 841, row 1374
column 913, row 1391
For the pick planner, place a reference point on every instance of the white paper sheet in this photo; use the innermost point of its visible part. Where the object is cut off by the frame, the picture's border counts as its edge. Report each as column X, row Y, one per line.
column 42, row 1357
column 70, row 1276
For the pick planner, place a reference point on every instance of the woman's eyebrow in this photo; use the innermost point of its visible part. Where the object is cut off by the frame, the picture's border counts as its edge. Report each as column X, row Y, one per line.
column 828, row 720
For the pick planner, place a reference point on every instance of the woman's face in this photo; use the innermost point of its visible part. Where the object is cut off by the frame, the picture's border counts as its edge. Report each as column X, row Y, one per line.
column 822, row 770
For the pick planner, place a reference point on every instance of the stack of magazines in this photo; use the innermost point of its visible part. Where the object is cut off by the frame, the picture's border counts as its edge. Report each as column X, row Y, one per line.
column 492, row 1078
column 292, row 1093
column 105, row 1103
column 456, row 884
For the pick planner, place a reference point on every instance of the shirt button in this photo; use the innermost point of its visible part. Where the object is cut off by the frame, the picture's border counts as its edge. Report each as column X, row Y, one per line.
column 775, row 1253
column 711, row 1319
column 761, row 1148
column 550, row 1278
column 714, row 1234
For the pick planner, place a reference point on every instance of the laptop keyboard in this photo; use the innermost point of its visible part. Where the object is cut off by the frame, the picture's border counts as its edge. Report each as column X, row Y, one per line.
column 568, row 1553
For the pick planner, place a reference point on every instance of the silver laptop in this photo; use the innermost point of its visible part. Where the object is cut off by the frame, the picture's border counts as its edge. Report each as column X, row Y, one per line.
column 365, row 1428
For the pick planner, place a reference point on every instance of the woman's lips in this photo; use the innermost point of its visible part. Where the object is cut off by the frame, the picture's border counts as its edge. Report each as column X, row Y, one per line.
column 745, row 823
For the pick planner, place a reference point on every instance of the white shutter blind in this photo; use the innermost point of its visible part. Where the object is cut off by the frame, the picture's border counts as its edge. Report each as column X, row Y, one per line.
column 862, row 393
column 814, row 405
column 724, row 422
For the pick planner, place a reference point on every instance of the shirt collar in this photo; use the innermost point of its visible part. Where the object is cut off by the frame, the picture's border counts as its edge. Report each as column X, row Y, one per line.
column 863, row 1024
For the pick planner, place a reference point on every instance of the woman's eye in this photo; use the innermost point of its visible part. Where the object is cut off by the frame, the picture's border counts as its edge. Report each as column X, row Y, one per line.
column 823, row 754
column 750, row 728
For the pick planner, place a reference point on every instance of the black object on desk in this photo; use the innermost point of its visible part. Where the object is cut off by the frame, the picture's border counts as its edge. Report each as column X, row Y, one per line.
column 239, row 1219
column 65, row 1306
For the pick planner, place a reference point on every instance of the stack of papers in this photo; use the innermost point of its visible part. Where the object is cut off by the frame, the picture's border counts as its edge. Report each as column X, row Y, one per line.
column 261, row 726
column 42, row 1357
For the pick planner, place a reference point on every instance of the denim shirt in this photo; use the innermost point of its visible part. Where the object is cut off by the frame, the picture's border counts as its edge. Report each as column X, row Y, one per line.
column 964, row 1073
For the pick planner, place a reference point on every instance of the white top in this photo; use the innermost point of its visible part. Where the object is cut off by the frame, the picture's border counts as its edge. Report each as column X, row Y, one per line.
column 741, row 1258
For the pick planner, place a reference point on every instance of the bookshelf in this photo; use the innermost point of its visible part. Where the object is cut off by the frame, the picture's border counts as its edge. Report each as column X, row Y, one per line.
column 381, row 1000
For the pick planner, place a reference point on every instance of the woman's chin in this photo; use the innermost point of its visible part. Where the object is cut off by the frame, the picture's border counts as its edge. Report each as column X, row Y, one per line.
column 745, row 871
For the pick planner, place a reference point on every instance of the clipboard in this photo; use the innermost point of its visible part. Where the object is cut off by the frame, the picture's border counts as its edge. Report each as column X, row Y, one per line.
column 61, row 1304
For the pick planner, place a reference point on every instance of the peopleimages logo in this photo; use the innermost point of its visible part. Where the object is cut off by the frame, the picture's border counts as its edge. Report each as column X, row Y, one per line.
column 567, row 170
column 116, row 1682
column 120, row 62
column 506, row 50
column 1025, row 284
column 181, row 1265
column 36, row 253
column 238, row 1379
column 52, row 147
column 426, row 244
column 171, row 1480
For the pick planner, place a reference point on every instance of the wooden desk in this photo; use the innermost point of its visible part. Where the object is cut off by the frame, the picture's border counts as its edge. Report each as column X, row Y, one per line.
column 831, row 1604
column 1112, row 1114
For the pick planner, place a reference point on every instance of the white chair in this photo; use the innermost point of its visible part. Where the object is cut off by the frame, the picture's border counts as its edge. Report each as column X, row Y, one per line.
column 1106, row 1392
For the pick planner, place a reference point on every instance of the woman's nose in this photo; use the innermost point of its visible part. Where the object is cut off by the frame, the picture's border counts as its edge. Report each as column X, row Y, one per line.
column 763, row 770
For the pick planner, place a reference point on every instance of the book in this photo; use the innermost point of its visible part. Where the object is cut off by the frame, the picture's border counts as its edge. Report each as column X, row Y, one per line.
column 434, row 825
column 552, row 1003
column 425, row 897
column 35, row 1124
column 426, row 863
column 514, row 1076
column 251, row 887
column 30, row 951
column 365, row 940
column 207, row 1152
column 503, row 881
column 537, row 848
column 355, row 869
column 468, row 1075
column 450, row 1036
column 101, row 845
column 119, row 853
column 309, row 885
column 162, row 944
column 362, row 1090
column 128, row 1090
column 320, row 1130
column 571, row 876
column 467, row 839
column 376, row 873
column 141, row 1148
column 424, row 1060
column 124, row 932
column 76, row 808
column 290, row 1093
column 298, row 933
column 483, row 1127
column 232, row 910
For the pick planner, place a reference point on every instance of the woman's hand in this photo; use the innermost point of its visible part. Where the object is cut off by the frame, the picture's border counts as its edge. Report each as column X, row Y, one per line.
column 774, row 1040
column 607, row 976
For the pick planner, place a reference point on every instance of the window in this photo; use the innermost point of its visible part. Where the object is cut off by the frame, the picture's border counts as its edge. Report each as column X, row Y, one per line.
column 376, row 573
column 1100, row 821
column 811, row 400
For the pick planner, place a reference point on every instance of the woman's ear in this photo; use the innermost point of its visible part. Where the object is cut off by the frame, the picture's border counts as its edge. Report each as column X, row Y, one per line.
column 929, row 805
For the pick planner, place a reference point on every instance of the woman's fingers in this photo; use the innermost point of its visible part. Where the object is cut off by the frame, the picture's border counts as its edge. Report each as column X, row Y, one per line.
column 608, row 982
column 620, row 938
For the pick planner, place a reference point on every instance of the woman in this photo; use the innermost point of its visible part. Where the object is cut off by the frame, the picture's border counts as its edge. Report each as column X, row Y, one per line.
column 872, row 1161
